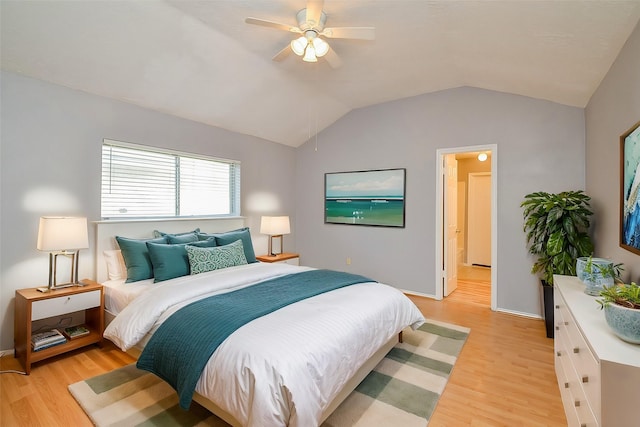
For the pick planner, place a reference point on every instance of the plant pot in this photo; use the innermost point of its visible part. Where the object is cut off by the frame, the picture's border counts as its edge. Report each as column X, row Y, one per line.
column 547, row 293
column 595, row 273
column 624, row 322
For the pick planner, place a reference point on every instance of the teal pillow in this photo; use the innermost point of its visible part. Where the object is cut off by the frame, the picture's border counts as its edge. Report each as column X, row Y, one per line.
column 157, row 233
column 231, row 236
column 207, row 259
column 136, row 257
column 182, row 238
column 171, row 261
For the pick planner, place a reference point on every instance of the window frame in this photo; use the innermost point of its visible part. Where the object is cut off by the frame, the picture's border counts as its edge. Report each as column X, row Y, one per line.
column 233, row 181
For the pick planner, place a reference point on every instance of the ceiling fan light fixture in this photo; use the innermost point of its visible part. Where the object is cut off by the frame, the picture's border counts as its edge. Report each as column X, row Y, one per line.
column 298, row 45
column 320, row 46
column 310, row 54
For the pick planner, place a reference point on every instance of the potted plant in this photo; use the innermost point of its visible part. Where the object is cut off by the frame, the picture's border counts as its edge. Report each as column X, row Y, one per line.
column 556, row 225
column 596, row 273
column 621, row 304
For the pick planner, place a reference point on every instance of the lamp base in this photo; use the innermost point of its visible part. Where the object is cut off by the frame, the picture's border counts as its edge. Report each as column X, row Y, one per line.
column 62, row 286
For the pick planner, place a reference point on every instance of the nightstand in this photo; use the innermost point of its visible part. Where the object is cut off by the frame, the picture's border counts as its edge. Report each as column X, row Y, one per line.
column 32, row 305
column 287, row 258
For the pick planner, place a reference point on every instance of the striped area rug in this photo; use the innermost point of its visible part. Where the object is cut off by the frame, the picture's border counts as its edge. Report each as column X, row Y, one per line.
column 402, row 390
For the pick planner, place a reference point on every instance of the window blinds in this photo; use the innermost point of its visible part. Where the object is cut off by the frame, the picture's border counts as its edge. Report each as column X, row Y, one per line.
column 139, row 181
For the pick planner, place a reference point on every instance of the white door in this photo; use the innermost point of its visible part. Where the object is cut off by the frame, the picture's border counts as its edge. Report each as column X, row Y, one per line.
column 451, row 224
column 479, row 219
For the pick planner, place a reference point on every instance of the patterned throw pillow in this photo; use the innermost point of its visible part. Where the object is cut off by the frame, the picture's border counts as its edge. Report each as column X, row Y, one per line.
column 208, row 259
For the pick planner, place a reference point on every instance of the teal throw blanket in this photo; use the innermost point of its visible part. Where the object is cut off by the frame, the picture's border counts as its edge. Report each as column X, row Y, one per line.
column 181, row 347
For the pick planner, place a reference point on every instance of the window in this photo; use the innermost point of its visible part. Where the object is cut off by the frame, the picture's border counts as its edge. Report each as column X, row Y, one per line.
column 144, row 182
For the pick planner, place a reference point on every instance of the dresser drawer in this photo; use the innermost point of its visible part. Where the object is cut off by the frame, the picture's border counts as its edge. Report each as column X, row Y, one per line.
column 584, row 362
column 565, row 392
column 64, row 304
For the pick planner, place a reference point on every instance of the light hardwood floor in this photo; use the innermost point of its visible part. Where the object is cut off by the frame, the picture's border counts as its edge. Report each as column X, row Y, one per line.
column 504, row 376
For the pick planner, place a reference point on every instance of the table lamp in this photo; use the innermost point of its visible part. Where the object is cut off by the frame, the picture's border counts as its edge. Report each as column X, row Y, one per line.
column 63, row 236
column 275, row 226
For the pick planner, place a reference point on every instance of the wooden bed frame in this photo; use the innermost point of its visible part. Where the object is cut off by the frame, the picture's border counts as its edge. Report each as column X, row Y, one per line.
column 105, row 232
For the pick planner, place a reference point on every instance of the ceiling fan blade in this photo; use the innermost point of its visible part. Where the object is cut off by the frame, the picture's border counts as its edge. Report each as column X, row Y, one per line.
column 333, row 59
column 361, row 33
column 314, row 11
column 271, row 24
column 282, row 54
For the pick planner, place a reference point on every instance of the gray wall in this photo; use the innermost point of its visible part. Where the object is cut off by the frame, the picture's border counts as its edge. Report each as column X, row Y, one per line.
column 541, row 146
column 612, row 110
column 50, row 165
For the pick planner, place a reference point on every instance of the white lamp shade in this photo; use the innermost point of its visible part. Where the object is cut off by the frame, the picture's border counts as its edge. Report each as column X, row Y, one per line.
column 321, row 47
column 310, row 54
column 298, row 45
column 275, row 225
column 61, row 233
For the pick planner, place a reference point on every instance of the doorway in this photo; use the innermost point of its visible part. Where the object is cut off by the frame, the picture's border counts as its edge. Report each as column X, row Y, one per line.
column 466, row 224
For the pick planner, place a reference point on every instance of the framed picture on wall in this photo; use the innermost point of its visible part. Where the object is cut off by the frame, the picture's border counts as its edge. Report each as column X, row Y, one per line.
column 375, row 197
column 630, row 189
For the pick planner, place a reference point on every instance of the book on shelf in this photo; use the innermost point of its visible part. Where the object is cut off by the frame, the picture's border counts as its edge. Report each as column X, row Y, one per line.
column 51, row 344
column 46, row 339
column 78, row 331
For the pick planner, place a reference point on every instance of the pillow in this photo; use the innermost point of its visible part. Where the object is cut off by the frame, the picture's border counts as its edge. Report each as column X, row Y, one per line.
column 182, row 238
column 231, row 236
column 171, row 261
column 116, row 268
column 136, row 257
column 208, row 259
column 157, row 233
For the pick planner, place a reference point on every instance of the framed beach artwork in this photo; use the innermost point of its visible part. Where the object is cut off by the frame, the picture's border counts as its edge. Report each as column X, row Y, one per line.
column 374, row 198
column 630, row 189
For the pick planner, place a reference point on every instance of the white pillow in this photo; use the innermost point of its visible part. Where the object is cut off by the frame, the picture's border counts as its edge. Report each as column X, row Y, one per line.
column 116, row 268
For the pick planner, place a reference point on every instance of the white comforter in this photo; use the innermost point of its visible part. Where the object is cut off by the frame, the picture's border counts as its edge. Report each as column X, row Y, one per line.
column 286, row 367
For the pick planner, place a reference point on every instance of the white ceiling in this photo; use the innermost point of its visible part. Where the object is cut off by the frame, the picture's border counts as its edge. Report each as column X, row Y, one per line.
column 199, row 60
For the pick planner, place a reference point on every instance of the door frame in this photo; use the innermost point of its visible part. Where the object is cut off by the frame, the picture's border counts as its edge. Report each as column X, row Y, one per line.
column 440, row 241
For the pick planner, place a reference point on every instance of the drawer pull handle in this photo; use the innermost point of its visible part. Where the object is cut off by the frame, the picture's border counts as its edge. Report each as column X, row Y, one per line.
column 576, row 350
column 566, row 385
column 557, row 328
column 566, row 323
column 558, row 354
column 577, row 403
column 585, row 379
column 557, row 306
column 583, row 425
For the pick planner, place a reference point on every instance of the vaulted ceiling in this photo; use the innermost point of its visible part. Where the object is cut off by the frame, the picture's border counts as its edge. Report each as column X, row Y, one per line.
column 199, row 59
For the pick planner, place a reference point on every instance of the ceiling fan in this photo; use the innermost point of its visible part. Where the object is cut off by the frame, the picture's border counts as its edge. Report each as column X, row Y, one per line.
column 311, row 27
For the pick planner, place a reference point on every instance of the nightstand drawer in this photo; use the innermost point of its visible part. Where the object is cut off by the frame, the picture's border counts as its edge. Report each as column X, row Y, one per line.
column 64, row 304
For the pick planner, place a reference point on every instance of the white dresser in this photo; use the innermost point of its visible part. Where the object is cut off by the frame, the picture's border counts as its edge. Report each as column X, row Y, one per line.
column 598, row 373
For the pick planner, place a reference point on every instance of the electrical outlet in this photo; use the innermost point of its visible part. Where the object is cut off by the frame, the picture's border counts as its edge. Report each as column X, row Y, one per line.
column 348, row 260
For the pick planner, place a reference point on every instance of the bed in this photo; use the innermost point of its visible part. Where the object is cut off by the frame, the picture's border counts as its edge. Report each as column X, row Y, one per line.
column 292, row 366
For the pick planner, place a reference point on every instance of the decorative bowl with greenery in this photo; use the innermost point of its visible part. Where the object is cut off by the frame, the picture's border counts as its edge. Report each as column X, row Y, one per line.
column 556, row 227
column 621, row 304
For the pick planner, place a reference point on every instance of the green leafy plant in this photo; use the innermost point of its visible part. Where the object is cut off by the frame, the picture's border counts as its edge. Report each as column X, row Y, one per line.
column 556, row 226
column 614, row 270
column 623, row 295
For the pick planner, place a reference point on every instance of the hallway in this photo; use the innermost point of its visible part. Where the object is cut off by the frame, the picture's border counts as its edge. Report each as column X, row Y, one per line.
column 474, row 286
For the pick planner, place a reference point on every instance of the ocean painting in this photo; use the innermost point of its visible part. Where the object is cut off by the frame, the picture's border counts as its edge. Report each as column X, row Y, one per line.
column 630, row 203
column 365, row 198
